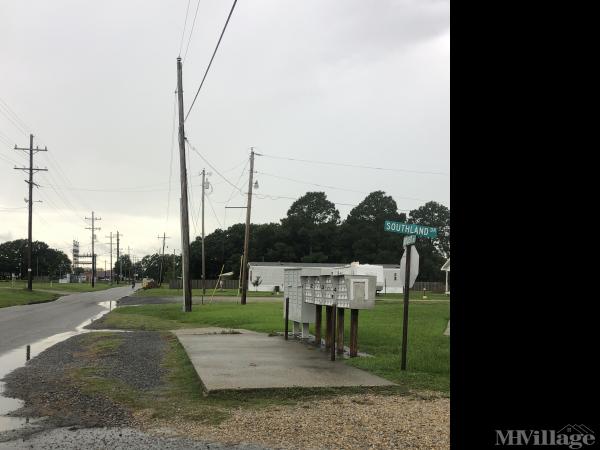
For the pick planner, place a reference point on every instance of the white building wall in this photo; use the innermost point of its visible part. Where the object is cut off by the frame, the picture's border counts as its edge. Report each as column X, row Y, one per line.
column 272, row 276
column 392, row 285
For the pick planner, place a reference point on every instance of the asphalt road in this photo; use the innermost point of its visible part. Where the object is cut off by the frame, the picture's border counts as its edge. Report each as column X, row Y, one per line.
column 25, row 324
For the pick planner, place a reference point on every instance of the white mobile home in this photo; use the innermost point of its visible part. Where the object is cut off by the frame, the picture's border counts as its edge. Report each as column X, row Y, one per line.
column 271, row 274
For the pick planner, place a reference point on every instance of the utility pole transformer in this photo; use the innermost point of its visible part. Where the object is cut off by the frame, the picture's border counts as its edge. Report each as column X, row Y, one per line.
column 244, row 279
column 31, row 170
column 185, row 225
column 93, row 228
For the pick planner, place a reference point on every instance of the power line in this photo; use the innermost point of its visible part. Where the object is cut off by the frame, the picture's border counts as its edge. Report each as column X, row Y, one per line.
column 211, row 60
column 191, row 32
column 238, row 180
column 356, row 166
column 331, row 187
column 213, row 210
column 14, row 114
column 172, row 148
column 213, row 167
column 184, row 25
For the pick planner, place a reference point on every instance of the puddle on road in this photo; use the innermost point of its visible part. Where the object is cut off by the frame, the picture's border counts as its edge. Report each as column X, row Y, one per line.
column 18, row 357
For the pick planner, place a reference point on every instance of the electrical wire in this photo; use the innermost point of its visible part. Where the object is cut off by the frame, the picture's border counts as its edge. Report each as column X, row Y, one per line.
column 22, row 123
column 172, row 148
column 213, row 167
column 191, row 32
column 211, row 59
column 184, row 25
column 330, row 187
column 214, row 212
column 356, row 166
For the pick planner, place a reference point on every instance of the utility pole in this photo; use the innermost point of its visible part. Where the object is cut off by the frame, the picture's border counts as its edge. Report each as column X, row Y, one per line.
column 203, row 259
column 244, row 279
column 119, row 260
column 93, row 228
column 111, row 264
column 130, row 262
column 163, row 237
column 185, row 225
column 31, row 170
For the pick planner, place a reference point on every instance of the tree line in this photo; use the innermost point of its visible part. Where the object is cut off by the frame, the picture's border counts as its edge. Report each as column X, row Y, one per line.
column 311, row 232
column 45, row 261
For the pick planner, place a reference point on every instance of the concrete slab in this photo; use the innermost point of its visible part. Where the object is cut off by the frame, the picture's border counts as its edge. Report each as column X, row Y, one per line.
column 251, row 360
column 447, row 332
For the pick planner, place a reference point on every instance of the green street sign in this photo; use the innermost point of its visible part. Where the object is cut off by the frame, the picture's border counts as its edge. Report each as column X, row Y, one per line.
column 410, row 228
column 409, row 240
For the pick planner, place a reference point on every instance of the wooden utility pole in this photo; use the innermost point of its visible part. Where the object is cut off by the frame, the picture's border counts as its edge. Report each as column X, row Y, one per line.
column 111, row 264
column 119, row 259
column 185, row 225
column 31, row 170
column 93, row 228
column 160, row 273
column 244, row 279
column 203, row 259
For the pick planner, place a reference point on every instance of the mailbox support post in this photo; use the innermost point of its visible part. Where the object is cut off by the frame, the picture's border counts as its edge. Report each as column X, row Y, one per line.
column 287, row 315
column 340, row 331
column 353, row 332
column 327, row 327
column 333, row 310
column 318, row 318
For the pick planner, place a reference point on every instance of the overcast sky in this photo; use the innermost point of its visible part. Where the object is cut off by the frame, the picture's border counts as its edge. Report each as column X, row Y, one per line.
column 347, row 81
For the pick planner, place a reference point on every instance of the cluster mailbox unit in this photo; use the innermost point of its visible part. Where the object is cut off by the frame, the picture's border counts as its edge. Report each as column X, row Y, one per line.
column 309, row 289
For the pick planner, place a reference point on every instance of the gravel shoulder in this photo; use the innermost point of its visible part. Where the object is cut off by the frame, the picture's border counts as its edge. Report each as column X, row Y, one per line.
column 142, row 387
column 50, row 387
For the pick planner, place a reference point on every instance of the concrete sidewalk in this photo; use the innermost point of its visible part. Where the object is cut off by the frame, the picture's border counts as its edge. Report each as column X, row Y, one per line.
column 251, row 360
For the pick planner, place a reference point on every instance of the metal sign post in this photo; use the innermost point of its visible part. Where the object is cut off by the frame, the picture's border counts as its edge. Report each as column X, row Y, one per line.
column 405, row 316
column 412, row 231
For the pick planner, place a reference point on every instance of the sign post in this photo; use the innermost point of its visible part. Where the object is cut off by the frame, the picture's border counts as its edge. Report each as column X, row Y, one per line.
column 412, row 231
column 405, row 316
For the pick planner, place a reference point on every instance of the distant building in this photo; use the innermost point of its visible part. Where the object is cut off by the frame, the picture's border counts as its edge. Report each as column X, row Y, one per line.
column 446, row 268
column 271, row 274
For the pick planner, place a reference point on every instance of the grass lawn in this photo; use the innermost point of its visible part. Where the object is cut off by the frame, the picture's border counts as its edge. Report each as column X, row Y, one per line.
column 416, row 295
column 166, row 292
column 12, row 297
column 379, row 333
column 55, row 286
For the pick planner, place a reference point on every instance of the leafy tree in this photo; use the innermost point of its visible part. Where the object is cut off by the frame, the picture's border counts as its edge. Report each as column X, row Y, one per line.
column 45, row 261
column 257, row 282
column 433, row 252
column 311, row 232
column 362, row 237
column 122, row 266
column 311, row 224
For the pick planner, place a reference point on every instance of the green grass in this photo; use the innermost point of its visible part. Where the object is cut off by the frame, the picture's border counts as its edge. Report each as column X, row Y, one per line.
column 66, row 287
column 166, row 292
column 181, row 395
column 379, row 334
column 416, row 295
column 12, row 297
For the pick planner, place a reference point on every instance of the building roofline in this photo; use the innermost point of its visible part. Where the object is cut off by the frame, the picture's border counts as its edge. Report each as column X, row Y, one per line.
column 301, row 264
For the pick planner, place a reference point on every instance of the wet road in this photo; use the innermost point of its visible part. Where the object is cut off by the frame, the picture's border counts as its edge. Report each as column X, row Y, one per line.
column 25, row 324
